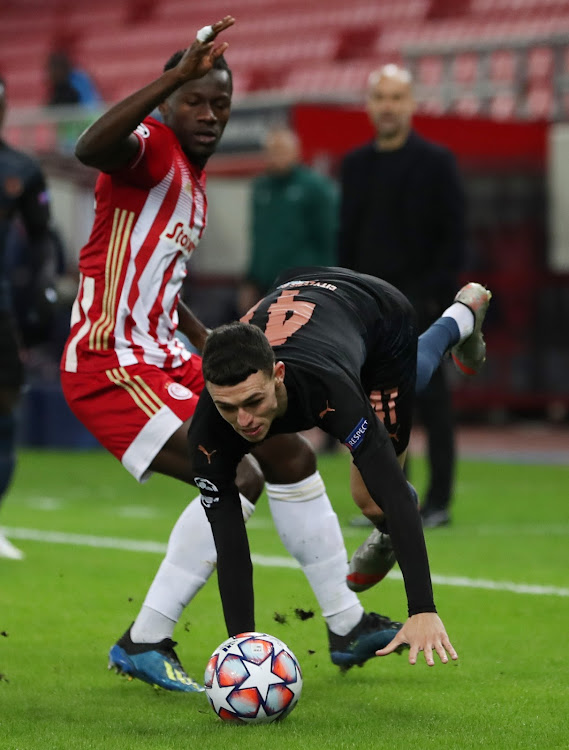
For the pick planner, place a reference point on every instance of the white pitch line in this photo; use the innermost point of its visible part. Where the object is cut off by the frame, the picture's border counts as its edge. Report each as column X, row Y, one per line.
column 266, row 561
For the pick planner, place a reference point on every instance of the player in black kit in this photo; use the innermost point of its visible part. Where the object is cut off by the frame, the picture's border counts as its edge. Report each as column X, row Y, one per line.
column 23, row 194
column 339, row 351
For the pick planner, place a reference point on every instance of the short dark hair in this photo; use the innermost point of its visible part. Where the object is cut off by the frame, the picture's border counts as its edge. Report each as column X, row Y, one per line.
column 220, row 63
column 234, row 351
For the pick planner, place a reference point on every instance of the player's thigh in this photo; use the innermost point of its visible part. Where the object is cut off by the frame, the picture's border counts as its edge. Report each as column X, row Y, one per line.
column 173, row 461
column 286, row 459
column 360, row 493
column 138, row 413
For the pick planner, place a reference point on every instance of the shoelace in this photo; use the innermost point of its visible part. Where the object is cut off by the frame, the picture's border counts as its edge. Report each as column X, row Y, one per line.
column 374, row 621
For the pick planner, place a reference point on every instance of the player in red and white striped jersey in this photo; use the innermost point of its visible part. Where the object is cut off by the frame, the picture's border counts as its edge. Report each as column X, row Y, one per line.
column 133, row 383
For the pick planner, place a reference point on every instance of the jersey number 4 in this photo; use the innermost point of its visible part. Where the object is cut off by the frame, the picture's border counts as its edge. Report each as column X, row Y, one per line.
column 286, row 316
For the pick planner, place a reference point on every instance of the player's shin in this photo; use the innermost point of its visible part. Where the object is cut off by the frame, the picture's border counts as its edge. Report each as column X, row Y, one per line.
column 189, row 562
column 309, row 529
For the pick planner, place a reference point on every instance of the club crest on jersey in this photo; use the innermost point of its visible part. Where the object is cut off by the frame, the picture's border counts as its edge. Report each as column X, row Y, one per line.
column 179, row 391
column 356, row 435
column 180, row 235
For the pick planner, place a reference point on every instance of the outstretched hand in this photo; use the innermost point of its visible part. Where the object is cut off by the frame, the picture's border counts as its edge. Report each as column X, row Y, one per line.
column 423, row 632
column 199, row 58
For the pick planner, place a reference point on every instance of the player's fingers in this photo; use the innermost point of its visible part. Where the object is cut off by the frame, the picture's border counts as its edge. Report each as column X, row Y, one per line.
column 219, row 50
column 413, row 653
column 225, row 23
column 391, row 646
column 450, row 648
column 440, row 649
column 428, row 651
column 208, row 33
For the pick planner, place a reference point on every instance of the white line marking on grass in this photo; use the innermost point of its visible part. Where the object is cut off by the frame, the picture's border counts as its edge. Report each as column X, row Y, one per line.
column 481, row 583
column 44, row 503
column 267, row 561
column 137, row 511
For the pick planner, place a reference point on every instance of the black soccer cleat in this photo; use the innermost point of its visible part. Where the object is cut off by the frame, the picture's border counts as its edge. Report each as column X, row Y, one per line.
column 373, row 632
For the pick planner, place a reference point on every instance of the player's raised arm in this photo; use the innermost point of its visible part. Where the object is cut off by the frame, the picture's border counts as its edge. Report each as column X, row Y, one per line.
column 108, row 143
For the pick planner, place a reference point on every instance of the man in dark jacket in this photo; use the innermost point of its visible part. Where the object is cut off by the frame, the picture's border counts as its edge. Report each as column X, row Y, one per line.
column 403, row 220
column 293, row 217
column 23, row 196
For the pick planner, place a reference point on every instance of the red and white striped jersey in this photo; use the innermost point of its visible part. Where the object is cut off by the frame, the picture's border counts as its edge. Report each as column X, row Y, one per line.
column 149, row 217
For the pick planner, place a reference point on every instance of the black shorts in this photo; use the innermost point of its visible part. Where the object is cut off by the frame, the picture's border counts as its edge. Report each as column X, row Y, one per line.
column 11, row 368
column 390, row 370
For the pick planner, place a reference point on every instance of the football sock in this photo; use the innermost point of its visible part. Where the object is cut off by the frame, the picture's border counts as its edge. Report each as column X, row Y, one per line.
column 463, row 317
column 433, row 344
column 7, row 450
column 189, row 562
column 309, row 529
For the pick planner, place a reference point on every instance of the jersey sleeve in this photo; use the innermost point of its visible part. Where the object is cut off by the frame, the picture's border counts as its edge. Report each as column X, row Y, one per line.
column 356, row 425
column 154, row 156
column 215, row 451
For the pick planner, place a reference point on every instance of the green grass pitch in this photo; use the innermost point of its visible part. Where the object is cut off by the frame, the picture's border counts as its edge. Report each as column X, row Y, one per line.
column 65, row 604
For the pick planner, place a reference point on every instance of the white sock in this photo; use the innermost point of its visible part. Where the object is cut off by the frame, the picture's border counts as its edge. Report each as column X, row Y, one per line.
column 190, row 560
column 309, row 529
column 463, row 316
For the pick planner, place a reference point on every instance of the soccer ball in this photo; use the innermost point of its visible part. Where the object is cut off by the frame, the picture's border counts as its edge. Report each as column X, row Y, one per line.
column 253, row 678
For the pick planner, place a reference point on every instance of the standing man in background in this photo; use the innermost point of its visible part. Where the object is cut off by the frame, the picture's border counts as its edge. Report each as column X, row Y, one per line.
column 23, row 195
column 402, row 219
column 293, row 218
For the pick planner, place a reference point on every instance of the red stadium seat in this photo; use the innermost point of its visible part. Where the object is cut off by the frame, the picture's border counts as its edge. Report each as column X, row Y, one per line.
column 430, row 71
column 503, row 106
column 540, row 103
column 503, row 66
column 540, row 64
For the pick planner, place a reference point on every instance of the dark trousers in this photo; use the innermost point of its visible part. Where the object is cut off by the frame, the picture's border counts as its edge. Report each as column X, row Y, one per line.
column 434, row 409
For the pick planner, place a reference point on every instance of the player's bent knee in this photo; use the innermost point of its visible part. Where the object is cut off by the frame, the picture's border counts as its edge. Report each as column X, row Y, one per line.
column 286, row 459
column 249, row 479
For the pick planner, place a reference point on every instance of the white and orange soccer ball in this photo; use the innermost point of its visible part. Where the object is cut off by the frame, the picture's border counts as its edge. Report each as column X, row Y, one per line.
column 253, row 678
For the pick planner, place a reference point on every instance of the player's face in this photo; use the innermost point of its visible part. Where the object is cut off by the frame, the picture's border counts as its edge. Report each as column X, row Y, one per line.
column 198, row 113
column 250, row 406
column 390, row 106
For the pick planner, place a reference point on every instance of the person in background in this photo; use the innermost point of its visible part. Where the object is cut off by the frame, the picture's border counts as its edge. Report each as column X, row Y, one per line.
column 402, row 219
column 293, row 217
column 68, row 84
column 23, row 196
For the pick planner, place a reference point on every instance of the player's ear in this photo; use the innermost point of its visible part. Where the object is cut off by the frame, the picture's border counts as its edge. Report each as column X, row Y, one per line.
column 279, row 371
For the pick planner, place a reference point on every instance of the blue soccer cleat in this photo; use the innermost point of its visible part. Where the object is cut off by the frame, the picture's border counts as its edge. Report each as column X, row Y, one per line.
column 154, row 663
column 372, row 633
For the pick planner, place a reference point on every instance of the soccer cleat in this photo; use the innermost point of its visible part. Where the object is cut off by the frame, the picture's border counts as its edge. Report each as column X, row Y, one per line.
column 154, row 663
column 373, row 559
column 433, row 518
column 371, row 562
column 469, row 355
column 8, row 550
column 371, row 633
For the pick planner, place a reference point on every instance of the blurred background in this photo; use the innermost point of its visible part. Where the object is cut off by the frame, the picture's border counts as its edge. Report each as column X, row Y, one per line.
column 492, row 84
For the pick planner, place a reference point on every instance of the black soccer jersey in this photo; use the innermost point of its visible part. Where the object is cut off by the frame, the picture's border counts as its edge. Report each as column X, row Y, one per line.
column 341, row 336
